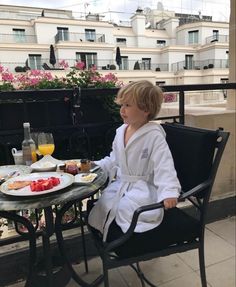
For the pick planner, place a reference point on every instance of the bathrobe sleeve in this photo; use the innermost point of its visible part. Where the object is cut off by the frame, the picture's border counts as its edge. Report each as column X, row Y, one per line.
column 165, row 176
column 109, row 163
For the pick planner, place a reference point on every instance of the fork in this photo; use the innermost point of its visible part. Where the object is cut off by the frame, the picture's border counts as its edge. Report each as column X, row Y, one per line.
column 9, row 175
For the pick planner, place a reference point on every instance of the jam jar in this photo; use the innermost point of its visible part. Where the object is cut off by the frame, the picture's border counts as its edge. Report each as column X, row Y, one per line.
column 85, row 165
column 72, row 169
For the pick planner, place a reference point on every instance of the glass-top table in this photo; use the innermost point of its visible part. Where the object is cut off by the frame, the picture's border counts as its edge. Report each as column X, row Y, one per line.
column 9, row 205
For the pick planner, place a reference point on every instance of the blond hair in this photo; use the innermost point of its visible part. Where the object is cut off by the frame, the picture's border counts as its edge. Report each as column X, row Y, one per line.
column 144, row 94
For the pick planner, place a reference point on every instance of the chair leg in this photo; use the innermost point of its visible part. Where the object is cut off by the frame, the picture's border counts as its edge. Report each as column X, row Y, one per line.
column 105, row 275
column 202, row 264
column 83, row 239
column 141, row 275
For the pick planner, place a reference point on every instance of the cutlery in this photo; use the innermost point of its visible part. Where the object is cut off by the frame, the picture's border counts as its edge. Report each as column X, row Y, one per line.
column 9, row 175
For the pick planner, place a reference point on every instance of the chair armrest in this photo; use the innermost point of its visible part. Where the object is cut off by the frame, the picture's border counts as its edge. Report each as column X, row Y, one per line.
column 110, row 246
column 195, row 190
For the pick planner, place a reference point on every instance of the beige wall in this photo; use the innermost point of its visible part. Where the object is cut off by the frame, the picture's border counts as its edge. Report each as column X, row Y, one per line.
column 231, row 102
column 225, row 179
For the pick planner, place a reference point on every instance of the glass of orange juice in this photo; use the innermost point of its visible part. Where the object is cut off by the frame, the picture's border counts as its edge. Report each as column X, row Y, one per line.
column 46, row 143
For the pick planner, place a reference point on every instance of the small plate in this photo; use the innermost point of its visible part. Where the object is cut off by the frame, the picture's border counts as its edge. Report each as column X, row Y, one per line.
column 5, row 170
column 65, row 181
column 85, row 178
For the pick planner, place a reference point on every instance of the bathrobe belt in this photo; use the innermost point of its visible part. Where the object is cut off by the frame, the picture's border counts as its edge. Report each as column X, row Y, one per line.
column 126, row 179
column 133, row 178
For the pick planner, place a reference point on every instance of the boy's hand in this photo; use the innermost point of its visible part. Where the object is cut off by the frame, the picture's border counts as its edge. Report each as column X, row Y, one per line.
column 170, row 202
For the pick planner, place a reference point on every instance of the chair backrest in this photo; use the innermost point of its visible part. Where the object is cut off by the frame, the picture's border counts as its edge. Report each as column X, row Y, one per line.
column 46, row 67
column 197, row 147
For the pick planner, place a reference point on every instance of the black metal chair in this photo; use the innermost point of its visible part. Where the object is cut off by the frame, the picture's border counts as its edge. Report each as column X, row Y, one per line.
column 197, row 154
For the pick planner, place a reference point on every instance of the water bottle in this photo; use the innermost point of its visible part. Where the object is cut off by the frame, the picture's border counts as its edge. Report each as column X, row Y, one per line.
column 28, row 146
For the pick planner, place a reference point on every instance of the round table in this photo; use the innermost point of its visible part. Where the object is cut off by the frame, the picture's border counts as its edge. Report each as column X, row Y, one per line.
column 10, row 204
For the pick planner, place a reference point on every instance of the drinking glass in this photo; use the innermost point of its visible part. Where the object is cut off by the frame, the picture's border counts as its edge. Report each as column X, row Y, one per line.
column 46, row 143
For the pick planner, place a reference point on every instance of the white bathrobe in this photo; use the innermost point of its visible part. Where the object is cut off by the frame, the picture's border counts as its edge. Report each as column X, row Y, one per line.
column 140, row 173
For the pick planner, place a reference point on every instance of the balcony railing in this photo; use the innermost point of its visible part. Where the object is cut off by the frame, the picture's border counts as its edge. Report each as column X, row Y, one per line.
column 217, row 38
column 13, row 38
column 199, row 65
column 79, row 37
column 128, row 65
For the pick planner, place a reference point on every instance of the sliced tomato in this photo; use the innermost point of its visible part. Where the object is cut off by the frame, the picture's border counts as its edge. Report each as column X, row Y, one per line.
column 47, row 185
column 44, row 184
column 55, row 180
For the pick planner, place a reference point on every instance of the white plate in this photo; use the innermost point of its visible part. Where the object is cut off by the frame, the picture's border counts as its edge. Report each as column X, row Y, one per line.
column 65, row 181
column 85, row 178
column 47, row 163
column 5, row 170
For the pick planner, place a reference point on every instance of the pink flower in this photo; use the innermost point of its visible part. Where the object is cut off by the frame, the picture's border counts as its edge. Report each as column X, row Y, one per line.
column 7, row 77
column 63, row 64
column 1, row 68
column 79, row 65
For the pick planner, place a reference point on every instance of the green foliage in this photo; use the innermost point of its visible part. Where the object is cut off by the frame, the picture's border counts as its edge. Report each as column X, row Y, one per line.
column 6, row 87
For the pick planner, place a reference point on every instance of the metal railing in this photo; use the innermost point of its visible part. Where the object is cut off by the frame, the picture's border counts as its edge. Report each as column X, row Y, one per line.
column 17, row 39
column 217, row 38
column 79, row 37
column 181, row 89
column 199, row 65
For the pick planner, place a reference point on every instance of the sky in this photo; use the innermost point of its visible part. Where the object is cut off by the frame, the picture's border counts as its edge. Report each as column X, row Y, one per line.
column 124, row 9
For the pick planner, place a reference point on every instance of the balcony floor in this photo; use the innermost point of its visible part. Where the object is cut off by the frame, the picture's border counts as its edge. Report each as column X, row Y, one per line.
column 179, row 270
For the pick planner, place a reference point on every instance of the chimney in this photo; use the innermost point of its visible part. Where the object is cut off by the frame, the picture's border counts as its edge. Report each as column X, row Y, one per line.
column 138, row 22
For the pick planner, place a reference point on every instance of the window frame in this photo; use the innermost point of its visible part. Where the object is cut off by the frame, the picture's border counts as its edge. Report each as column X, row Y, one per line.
column 193, row 37
column 19, row 35
column 89, row 58
column 90, row 35
column 63, row 33
column 35, row 61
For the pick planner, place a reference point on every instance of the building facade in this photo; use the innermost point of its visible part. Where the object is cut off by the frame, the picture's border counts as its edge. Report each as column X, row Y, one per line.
column 165, row 47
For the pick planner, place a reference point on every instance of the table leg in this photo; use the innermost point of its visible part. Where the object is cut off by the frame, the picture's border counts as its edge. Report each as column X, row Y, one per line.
column 59, row 278
column 32, row 242
column 61, row 246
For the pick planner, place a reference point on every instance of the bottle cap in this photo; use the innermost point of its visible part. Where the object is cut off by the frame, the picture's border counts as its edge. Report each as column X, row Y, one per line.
column 26, row 125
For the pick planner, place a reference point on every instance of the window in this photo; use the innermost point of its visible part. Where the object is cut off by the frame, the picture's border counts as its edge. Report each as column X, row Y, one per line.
column 216, row 35
column 35, row 61
column 90, row 35
column 89, row 59
column 161, row 43
column 189, row 62
column 160, row 83
column 193, row 37
column 146, row 63
column 121, row 41
column 63, row 34
column 19, row 35
column 124, row 63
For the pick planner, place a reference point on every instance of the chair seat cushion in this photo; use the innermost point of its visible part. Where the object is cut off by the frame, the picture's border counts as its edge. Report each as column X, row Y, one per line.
column 176, row 227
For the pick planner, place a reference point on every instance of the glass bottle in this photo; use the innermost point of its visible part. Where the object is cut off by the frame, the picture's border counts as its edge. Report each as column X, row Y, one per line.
column 28, row 146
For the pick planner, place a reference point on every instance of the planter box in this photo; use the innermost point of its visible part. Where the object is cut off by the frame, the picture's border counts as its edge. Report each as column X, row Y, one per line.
column 82, row 114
